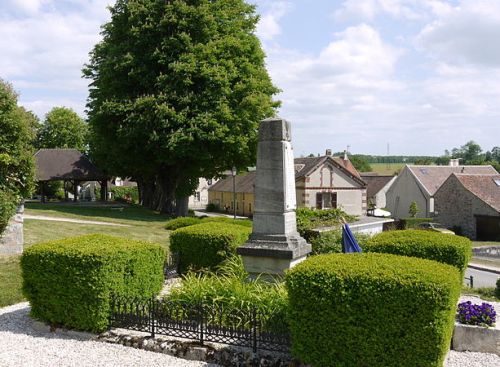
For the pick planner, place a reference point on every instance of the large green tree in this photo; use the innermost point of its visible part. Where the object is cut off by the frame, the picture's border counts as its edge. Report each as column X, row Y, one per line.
column 63, row 128
column 16, row 153
column 177, row 90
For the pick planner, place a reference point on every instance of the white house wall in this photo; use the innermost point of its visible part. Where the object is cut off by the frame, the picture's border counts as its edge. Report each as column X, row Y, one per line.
column 403, row 192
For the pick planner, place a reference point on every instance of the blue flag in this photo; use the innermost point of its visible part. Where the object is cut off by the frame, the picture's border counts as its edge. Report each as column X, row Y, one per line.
column 349, row 243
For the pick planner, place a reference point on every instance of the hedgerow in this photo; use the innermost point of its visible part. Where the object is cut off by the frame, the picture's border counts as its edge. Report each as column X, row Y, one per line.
column 445, row 248
column 69, row 282
column 206, row 245
column 371, row 310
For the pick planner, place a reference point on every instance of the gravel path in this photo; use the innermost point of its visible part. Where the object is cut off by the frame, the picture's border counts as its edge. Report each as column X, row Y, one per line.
column 81, row 221
column 21, row 344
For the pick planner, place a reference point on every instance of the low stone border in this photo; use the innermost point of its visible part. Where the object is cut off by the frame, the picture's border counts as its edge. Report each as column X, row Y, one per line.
column 476, row 339
column 210, row 352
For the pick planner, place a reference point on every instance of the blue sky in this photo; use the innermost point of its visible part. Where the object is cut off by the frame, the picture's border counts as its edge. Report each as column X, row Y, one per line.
column 421, row 75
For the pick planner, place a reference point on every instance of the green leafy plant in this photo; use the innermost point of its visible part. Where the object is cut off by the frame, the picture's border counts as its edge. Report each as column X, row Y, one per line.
column 228, row 291
column 69, row 282
column 371, row 309
column 445, row 248
column 331, row 241
column 206, row 245
column 128, row 194
column 308, row 219
column 413, row 210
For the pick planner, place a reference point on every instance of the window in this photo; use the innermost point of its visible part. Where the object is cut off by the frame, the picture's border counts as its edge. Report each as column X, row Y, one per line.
column 497, row 181
column 209, row 182
column 334, row 200
column 197, row 196
column 237, row 205
column 249, row 207
column 319, row 200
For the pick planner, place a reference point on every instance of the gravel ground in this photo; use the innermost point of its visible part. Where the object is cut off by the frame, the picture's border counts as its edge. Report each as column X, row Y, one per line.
column 22, row 343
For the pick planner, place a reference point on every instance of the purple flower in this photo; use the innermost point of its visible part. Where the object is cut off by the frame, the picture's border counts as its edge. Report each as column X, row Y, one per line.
column 471, row 314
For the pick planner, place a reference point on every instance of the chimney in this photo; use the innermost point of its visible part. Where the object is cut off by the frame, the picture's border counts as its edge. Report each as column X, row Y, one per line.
column 328, row 152
column 345, row 155
column 454, row 162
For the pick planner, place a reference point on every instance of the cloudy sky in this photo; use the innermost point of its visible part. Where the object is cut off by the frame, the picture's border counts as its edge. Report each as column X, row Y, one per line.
column 419, row 75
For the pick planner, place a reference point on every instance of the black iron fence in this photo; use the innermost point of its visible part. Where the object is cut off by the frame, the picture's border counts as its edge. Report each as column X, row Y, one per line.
column 202, row 322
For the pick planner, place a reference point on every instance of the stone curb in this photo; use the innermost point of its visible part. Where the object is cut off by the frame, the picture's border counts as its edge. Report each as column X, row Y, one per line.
column 484, row 268
column 476, row 339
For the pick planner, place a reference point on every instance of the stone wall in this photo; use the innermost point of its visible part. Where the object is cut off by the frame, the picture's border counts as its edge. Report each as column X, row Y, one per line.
column 457, row 206
column 12, row 241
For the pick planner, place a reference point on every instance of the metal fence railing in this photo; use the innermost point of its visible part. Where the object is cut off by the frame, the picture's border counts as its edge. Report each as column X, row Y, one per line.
column 202, row 322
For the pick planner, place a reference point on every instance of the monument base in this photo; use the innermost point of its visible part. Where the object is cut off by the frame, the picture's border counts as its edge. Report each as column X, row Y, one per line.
column 268, row 256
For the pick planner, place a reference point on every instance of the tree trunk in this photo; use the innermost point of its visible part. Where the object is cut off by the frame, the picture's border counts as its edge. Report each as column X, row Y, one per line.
column 166, row 184
column 181, row 206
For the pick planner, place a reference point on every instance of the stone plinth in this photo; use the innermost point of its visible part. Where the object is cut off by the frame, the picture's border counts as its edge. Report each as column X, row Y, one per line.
column 12, row 241
column 275, row 245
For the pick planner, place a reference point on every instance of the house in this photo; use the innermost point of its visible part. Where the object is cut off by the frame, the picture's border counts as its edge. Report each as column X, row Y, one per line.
column 420, row 183
column 472, row 203
column 199, row 199
column 321, row 182
column 376, row 188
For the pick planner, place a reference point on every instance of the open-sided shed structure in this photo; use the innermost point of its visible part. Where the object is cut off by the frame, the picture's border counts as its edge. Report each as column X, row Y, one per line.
column 68, row 165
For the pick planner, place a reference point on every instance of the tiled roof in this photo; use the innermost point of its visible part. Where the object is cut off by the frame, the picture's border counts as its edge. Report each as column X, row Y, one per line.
column 65, row 164
column 432, row 177
column 374, row 183
column 244, row 183
column 485, row 187
column 303, row 167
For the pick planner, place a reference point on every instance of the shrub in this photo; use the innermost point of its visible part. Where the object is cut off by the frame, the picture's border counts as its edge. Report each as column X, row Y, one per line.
column 497, row 289
column 482, row 315
column 7, row 208
column 308, row 219
column 445, row 248
column 411, row 223
column 211, row 207
column 329, row 242
column 371, row 310
column 206, row 245
column 241, row 222
column 129, row 194
column 69, row 281
column 181, row 222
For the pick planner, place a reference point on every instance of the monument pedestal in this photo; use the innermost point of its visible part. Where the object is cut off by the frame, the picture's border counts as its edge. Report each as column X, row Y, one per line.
column 275, row 245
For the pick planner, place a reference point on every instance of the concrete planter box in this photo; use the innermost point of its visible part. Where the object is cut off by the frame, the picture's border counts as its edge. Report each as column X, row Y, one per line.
column 476, row 339
column 12, row 241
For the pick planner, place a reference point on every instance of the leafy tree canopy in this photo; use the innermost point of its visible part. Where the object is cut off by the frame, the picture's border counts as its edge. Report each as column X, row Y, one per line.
column 63, row 128
column 16, row 154
column 360, row 163
column 177, row 90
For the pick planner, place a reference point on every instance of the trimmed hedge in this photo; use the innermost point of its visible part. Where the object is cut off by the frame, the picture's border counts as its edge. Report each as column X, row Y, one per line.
column 68, row 282
column 181, row 222
column 206, row 245
column 329, row 242
column 445, row 248
column 371, row 310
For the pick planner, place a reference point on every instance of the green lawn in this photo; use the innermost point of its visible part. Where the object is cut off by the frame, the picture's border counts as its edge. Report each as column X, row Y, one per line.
column 10, row 281
column 142, row 224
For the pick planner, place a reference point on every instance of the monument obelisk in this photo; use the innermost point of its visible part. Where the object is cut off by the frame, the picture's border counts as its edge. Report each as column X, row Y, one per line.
column 274, row 245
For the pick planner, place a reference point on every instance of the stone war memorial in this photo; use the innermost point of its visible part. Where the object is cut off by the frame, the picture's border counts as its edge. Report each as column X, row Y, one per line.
column 274, row 245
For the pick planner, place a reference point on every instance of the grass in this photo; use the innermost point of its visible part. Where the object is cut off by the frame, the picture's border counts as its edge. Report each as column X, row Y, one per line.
column 486, row 293
column 387, row 168
column 142, row 224
column 10, row 281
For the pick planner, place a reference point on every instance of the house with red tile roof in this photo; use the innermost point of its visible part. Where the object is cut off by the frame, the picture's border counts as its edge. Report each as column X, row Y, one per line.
column 320, row 182
column 471, row 203
column 419, row 184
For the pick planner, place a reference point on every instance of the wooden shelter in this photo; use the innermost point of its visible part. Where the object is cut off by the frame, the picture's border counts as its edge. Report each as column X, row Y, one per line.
column 68, row 165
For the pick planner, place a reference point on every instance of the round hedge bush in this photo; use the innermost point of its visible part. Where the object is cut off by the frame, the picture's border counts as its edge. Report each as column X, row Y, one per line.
column 206, row 245
column 444, row 248
column 371, row 310
column 181, row 222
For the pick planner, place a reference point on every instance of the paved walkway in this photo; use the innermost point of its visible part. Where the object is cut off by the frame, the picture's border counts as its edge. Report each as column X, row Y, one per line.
column 80, row 221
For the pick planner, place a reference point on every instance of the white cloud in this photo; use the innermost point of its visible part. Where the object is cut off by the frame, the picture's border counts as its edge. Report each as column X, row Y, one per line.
column 268, row 27
column 466, row 35
column 368, row 10
column 43, row 52
column 28, row 6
